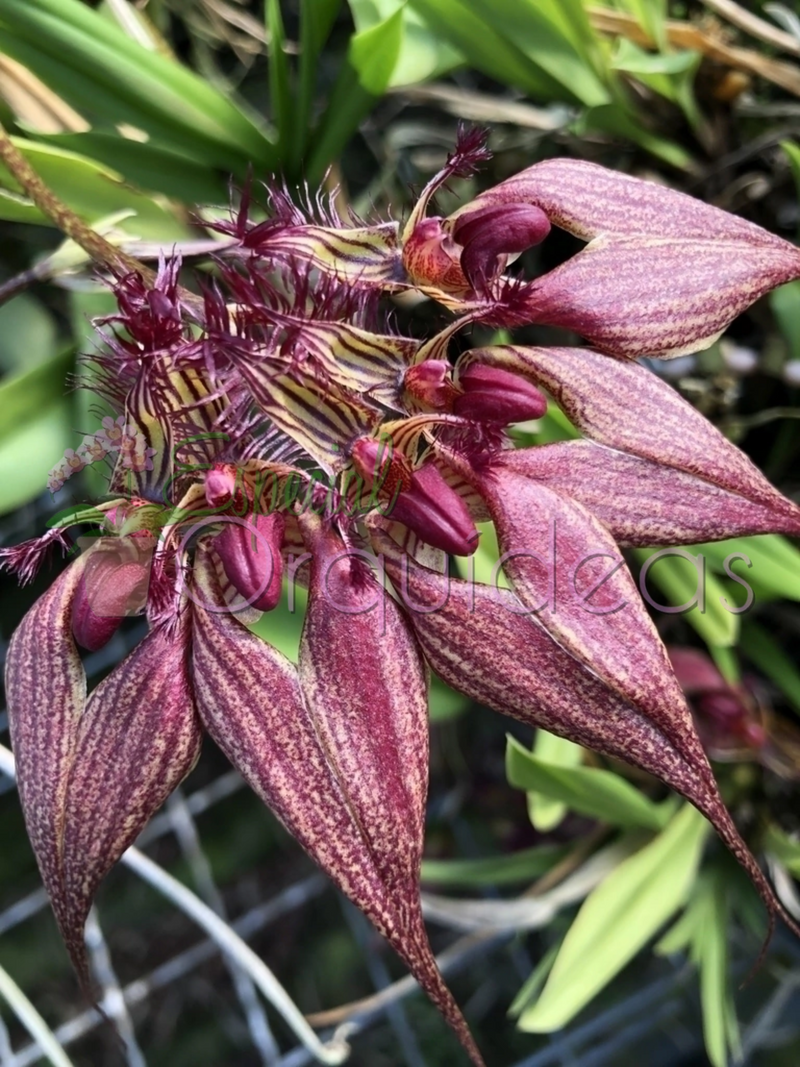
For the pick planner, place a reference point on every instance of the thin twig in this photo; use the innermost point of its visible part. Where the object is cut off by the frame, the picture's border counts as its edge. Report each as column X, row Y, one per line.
column 460, row 949
column 113, row 1001
column 189, row 840
column 760, row 418
column 755, row 26
column 685, row 35
column 95, row 245
column 32, row 1021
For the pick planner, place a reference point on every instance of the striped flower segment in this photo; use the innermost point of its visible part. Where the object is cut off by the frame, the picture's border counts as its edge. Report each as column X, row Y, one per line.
column 281, row 429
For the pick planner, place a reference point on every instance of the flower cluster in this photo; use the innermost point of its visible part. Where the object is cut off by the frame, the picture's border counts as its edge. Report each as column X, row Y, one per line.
column 280, row 426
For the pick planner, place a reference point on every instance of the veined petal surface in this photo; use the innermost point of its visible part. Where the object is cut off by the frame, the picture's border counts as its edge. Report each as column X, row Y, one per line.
column 138, row 738
column 663, row 273
column 510, row 663
column 631, row 409
column 325, row 777
column 643, row 503
column 46, row 693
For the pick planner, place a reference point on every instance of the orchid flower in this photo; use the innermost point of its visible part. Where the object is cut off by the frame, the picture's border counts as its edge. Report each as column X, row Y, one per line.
column 288, row 431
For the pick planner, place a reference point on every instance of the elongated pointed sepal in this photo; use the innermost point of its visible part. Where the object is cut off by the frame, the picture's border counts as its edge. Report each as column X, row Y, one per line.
column 303, row 763
column 46, row 693
column 663, row 273
column 643, row 503
column 596, row 393
column 511, row 663
column 582, row 592
column 365, row 681
column 91, row 773
column 138, row 738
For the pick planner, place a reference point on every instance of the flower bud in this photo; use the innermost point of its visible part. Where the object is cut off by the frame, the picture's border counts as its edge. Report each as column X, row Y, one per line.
column 420, row 499
column 499, row 396
column 251, row 557
column 112, row 586
column 221, row 485
column 490, row 234
column 430, row 385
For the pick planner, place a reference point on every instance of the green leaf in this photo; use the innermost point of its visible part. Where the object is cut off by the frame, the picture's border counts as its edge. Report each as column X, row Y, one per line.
column 635, row 60
column 703, row 929
column 423, row 54
column 363, row 79
column 774, row 569
column 316, row 21
column 149, row 165
column 25, row 395
column 588, row 790
column 689, row 586
column 792, row 151
column 536, row 979
column 92, row 190
column 614, row 120
column 785, row 849
column 283, row 626
column 523, row 866
column 490, row 50
column 102, row 72
column 482, row 566
column 765, row 653
column 785, row 304
column 618, row 918
column 651, row 16
column 280, row 93
column 549, row 34
column 544, row 811
column 27, row 335
column 28, row 454
column 445, row 703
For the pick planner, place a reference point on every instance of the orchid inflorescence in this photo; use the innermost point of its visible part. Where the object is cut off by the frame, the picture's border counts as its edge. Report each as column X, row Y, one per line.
column 282, row 427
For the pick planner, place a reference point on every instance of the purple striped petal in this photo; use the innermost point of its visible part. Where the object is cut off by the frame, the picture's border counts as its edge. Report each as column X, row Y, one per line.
column 341, row 758
column 138, row 738
column 663, row 273
column 645, row 503
column 482, row 642
column 46, row 693
column 598, row 394
column 91, row 773
column 564, row 565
